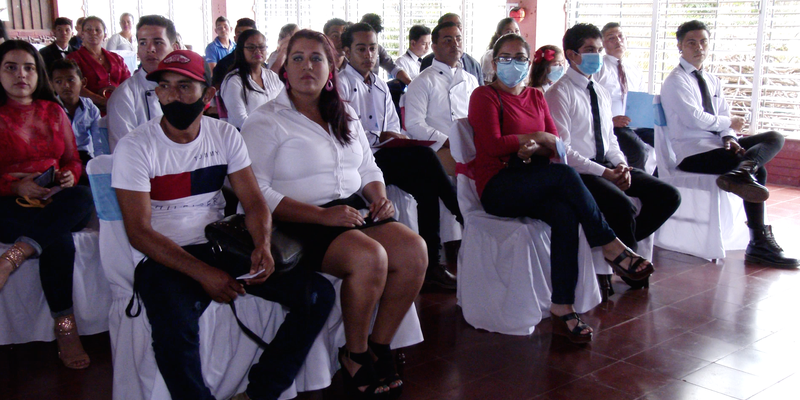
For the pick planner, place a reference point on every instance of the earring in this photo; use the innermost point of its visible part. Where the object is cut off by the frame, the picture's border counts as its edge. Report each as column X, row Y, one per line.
column 329, row 85
column 285, row 75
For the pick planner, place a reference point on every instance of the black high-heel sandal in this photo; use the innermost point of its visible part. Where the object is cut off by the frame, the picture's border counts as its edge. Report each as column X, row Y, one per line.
column 606, row 290
column 385, row 367
column 365, row 376
column 574, row 335
column 631, row 272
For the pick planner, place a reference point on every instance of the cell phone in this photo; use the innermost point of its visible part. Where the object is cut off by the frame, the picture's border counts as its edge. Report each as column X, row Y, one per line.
column 47, row 179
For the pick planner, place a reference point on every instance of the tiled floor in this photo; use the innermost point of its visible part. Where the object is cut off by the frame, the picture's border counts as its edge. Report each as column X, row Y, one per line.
column 702, row 331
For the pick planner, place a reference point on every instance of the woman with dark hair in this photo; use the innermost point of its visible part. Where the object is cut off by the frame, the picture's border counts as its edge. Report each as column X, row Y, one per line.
column 103, row 70
column 515, row 138
column 504, row 27
column 548, row 66
column 36, row 137
column 314, row 164
column 250, row 83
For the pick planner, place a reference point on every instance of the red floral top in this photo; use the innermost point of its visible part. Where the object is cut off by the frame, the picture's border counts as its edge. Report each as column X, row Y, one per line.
column 96, row 76
column 34, row 137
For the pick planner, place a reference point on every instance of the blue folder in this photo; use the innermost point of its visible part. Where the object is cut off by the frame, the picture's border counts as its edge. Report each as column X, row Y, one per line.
column 639, row 108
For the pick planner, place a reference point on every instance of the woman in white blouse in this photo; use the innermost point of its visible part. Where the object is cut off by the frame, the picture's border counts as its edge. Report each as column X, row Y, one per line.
column 124, row 39
column 250, row 83
column 314, row 164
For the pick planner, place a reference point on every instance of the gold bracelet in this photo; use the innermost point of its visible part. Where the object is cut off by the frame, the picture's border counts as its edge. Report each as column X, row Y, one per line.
column 14, row 255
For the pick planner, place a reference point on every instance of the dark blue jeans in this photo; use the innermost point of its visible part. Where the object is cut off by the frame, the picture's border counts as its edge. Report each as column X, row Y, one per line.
column 49, row 230
column 555, row 194
column 174, row 303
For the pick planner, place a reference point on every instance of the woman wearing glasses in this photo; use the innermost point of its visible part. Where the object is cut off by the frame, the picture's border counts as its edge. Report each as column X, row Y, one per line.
column 250, row 83
column 515, row 138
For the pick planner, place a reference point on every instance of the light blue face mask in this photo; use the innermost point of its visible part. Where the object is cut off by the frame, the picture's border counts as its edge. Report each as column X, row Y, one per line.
column 591, row 63
column 556, row 72
column 513, row 73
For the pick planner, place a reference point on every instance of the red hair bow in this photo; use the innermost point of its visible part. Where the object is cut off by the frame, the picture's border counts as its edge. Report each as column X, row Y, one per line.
column 540, row 54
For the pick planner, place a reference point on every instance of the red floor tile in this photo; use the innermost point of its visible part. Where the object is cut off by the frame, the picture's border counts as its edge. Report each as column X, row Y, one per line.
column 729, row 381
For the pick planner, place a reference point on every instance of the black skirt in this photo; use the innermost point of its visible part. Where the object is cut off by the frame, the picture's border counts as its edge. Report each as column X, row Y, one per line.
column 317, row 238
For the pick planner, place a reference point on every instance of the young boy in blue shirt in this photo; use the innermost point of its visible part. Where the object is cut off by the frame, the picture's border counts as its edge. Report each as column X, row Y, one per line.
column 67, row 80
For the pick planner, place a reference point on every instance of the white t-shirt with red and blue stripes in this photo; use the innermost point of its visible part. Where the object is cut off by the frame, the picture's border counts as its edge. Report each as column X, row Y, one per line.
column 184, row 180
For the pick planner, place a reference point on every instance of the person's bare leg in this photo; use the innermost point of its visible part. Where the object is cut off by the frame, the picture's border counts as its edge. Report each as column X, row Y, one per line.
column 6, row 267
column 408, row 261
column 361, row 263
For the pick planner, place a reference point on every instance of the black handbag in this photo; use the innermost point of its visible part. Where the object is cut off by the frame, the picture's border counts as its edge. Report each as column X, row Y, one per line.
column 229, row 237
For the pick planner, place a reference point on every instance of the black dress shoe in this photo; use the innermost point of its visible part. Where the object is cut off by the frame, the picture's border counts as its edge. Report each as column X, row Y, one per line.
column 742, row 183
column 439, row 275
column 764, row 250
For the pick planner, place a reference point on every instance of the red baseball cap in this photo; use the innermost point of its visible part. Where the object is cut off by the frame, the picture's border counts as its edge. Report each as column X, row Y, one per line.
column 184, row 62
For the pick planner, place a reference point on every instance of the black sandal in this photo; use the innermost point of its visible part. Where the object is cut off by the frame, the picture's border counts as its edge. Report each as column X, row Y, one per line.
column 631, row 272
column 574, row 335
column 385, row 367
column 365, row 376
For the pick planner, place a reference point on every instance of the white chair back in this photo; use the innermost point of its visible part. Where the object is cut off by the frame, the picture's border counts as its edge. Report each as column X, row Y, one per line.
column 116, row 254
column 100, row 143
column 665, row 157
column 462, row 147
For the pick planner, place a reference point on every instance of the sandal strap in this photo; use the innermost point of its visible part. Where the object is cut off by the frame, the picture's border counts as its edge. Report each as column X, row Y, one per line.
column 365, row 376
column 14, row 255
column 636, row 260
column 579, row 327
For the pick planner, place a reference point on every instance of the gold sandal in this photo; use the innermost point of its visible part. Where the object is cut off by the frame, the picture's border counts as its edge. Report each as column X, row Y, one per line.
column 67, row 330
column 15, row 256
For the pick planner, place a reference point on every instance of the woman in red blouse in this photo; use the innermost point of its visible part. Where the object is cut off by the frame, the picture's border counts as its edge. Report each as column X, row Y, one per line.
column 515, row 138
column 36, row 135
column 103, row 70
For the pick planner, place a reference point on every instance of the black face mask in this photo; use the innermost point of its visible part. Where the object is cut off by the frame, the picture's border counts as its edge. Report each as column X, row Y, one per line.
column 181, row 115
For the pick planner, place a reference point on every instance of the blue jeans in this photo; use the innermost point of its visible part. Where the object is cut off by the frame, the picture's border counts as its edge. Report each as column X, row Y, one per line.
column 174, row 303
column 49, row 231
column 555, row 194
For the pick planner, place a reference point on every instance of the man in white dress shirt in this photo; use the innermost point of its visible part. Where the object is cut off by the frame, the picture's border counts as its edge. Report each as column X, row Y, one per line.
column 419, row 43
column 703, row 136
column 581, row 111
column 415, row 170
column 439, row 96
column 135, row 102
column 619, row 77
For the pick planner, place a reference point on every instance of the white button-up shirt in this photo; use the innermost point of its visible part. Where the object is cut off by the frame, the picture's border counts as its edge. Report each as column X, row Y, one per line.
column 371, row 101
column 691, row 129
column 133, row 103
column 293, row 156
column 435, row 100
column 410, row 63
column 609, row 78
column 571, row 108
column 240, row 106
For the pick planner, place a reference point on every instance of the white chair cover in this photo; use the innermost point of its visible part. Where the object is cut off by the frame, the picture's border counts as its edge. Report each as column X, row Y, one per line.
column 504, row 263
column 709, row 221
column 24, row 314
column 226, row 354
column 405, row 207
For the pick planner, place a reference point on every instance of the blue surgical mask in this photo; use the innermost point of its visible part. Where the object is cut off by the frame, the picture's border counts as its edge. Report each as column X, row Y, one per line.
column 556, row 72
column 591, row 63
column 513, row 73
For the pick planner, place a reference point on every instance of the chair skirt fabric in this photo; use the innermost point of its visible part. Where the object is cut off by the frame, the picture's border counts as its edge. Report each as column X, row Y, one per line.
column 24, row 314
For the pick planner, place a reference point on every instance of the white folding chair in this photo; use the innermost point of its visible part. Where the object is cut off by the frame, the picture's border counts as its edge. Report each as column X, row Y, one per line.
column 504, row 263
column 709, row 221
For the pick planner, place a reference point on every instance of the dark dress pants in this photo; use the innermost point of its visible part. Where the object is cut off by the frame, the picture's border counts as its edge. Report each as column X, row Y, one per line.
column 759, row 148
column 632, row 143
column 174, row 303
column 418, row 171
column 659, row 201
column 51, row 228
column 554, row 194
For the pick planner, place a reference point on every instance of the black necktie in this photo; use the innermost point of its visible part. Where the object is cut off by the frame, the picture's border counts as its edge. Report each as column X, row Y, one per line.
column 600, row 157
column 707, row 105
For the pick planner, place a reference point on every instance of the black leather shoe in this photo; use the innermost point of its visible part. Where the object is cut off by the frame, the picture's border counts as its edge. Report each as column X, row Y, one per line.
column 439, row 275
column 764, row 250
column 742, row 183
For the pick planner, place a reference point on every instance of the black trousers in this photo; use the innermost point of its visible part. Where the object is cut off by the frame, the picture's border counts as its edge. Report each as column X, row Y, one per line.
column 759, row 148
column 632, row 143
column 418, row 171
column 174, row 303
column 554, row 194
column 659, row 201
column 51, row 229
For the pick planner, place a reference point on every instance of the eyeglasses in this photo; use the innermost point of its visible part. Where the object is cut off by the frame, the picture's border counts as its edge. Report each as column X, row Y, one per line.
column 254, row 48
column 507, row 60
